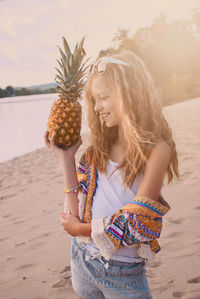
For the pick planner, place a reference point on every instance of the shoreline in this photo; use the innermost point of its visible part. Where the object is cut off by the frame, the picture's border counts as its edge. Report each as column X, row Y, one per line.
column 84, row 125
column 85, row 128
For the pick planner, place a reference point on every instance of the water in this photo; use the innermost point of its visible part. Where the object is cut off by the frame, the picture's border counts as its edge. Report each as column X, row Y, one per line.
column 23, row 122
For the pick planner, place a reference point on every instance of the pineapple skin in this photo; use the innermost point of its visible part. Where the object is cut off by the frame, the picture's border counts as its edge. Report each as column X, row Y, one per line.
column 65, row 118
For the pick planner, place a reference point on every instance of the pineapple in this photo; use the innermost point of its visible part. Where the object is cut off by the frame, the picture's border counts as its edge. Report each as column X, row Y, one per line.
column 66, row 112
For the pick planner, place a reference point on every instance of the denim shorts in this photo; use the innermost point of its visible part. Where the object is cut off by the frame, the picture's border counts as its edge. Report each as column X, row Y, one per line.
column 96, row 278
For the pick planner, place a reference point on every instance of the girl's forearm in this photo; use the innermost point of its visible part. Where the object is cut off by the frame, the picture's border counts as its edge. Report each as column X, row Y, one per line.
column 84, row 229
column 70, row 181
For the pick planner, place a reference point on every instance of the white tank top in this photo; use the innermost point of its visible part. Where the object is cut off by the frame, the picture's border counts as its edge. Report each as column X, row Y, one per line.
column 111, row 196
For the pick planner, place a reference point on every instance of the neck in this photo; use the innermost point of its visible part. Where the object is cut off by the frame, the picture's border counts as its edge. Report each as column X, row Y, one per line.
column 118, row 148
column 120, row 139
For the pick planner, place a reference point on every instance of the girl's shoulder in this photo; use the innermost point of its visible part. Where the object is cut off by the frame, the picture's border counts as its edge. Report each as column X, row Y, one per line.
column 159, row 146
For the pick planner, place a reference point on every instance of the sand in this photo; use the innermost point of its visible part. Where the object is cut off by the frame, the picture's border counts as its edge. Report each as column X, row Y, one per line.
column 35, row 250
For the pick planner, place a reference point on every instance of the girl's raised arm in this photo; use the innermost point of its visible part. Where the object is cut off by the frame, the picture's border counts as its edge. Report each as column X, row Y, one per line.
column 67, row 160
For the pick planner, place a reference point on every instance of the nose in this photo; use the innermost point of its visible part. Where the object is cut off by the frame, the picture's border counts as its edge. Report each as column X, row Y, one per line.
column 97, row 106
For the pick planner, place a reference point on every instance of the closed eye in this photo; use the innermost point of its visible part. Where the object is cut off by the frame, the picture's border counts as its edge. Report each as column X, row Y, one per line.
column 100, row 98
column 103, row 97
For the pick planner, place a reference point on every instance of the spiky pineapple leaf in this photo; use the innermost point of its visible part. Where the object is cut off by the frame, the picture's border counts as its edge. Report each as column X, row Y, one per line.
column 71, row 61
column 66, row 47
column 82, row 66
column 63, row 56
column 65, row 68
column 59, row 71
column 60, row 64
column 70, row 77
column 84, row 52
column 81, row 43
column 68, row 67
column 61, row 88
column 75, row 50
column 60, row 78
column 76, row 76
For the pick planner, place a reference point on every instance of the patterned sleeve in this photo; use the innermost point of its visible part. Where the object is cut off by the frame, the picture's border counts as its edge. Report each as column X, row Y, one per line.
column 81, row 173
column 137, row 223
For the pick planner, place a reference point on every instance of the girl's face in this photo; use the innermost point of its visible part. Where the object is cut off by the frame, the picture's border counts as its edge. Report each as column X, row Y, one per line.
column 105, row 105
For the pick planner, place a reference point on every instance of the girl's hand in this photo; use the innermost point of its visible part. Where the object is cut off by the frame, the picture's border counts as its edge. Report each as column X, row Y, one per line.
column 71, row 224
column 61, row 154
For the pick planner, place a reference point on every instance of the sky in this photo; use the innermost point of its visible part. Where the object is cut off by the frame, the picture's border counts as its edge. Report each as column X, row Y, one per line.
column 30, row 31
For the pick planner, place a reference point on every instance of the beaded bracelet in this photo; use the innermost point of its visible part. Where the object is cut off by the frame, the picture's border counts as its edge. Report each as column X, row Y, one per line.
column 73, row 190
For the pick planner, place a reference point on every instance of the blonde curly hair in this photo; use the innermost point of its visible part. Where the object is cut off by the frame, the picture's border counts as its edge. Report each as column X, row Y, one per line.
column 143, row 122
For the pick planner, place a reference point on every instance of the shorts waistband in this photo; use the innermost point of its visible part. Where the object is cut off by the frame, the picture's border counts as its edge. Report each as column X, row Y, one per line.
column 100, row 257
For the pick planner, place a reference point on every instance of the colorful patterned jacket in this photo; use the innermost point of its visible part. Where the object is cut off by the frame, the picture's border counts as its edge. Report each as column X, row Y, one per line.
column 137, row 223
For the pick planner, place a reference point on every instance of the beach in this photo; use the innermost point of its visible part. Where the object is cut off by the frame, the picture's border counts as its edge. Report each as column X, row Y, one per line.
column 35, row 250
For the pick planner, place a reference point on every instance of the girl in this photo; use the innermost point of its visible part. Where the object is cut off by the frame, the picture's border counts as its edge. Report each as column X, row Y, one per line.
column 114, row 200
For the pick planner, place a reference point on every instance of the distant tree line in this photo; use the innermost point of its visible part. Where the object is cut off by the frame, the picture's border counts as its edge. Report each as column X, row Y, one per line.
column 10, row 91
column 171, row 52
column 169, row 49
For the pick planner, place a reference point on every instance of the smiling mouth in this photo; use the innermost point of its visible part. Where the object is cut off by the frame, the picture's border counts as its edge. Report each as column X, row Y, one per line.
column 105, row 115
